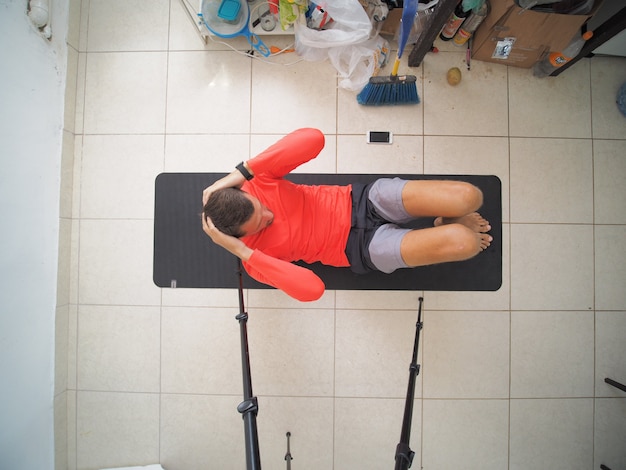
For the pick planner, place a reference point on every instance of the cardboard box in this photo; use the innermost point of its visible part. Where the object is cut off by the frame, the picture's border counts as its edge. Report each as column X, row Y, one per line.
column 390, row 26
column 512, row 36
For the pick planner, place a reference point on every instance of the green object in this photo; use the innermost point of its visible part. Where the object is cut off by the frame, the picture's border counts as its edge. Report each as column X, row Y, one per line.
column 472, row 4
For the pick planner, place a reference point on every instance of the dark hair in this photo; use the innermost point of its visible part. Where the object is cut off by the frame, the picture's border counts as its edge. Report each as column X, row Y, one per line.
column 229, row 209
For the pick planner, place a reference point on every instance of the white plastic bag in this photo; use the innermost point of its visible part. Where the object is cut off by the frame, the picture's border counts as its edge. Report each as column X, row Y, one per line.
column 357, row 63
column 350, row 25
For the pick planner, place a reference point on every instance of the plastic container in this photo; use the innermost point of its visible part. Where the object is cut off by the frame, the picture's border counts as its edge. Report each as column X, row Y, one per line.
column 454, row 22
column 229, row 11
column 554, row 60
column 471, row 24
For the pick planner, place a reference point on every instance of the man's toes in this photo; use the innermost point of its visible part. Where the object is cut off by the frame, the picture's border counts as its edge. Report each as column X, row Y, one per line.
column 485, row 241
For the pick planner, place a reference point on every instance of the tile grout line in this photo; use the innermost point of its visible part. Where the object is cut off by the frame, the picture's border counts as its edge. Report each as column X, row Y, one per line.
column 593, row 274
column 76, row 212
column 510, row 257
column 334, row 407
column 160, row 408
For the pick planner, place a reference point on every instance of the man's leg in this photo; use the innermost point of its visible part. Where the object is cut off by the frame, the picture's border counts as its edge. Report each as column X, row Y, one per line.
column 459, row 232
column 442, row 244
column 435, row 198
column 393, row 247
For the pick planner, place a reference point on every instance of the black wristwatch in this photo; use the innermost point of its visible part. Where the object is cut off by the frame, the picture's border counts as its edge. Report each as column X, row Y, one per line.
column 244, row 171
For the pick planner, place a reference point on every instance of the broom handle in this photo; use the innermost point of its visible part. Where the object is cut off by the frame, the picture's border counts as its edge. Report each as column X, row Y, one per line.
column 396, row 66
column 406, row 24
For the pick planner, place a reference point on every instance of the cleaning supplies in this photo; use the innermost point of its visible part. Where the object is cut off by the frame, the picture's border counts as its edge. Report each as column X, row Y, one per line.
column 209, row 16
column 394, row 89
column 554, row 60
column 458, row 16
column 454, row 22
column 471, row 24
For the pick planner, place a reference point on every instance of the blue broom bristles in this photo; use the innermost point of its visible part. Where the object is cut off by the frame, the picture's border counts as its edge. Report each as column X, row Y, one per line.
column 391, row 90
column 394, row 89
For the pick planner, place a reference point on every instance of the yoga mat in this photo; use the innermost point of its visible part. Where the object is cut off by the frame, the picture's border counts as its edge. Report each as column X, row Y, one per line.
column 184, row 257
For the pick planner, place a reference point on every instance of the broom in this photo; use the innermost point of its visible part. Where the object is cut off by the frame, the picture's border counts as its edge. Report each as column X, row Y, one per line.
column 394, row 89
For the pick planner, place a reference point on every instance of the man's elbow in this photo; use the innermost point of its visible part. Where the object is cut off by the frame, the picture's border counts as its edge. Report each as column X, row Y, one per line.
column 315, row 138
column 314, row 290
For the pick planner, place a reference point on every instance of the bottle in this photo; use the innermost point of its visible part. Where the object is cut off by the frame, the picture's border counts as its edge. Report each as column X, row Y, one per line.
column 554, row 60
column 471, row 24
column 454, row 22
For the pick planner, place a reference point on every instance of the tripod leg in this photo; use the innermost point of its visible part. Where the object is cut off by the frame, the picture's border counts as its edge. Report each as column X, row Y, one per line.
column 404, row 454
column 615, row 384
column 249, row 407
column 288, row 457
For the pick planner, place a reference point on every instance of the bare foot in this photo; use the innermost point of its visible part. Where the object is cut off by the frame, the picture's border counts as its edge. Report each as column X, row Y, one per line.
column 474, row 221
column 485, row 240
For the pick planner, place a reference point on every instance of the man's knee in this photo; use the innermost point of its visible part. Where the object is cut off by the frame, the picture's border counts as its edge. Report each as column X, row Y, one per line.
column 471, row 196
column 462, row 241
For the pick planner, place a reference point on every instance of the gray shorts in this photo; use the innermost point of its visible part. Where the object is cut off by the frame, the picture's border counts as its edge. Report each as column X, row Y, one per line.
column 384, row 248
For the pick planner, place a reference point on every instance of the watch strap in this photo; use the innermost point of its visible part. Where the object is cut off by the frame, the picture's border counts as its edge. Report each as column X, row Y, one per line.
column 244, row 171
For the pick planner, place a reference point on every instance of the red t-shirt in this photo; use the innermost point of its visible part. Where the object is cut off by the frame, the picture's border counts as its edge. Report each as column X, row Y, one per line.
column 311, row 223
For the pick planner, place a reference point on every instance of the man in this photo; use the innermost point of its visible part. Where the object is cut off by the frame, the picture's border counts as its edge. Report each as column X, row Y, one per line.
column 269, row 222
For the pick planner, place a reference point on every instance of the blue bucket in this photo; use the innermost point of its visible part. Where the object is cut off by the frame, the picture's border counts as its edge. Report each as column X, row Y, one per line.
column 210, row 16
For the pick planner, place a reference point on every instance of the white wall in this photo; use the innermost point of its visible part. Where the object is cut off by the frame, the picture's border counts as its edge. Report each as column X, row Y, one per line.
column 32, row 84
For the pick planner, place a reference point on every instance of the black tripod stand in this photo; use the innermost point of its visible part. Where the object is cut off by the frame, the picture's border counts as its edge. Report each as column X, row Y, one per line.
column 249, row 407
column 404, row 454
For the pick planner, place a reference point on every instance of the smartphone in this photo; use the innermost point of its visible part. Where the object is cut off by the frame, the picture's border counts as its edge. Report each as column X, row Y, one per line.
column 379, row 137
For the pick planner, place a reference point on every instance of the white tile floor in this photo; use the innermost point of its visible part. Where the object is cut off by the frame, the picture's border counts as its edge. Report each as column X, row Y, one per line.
column 511, row 379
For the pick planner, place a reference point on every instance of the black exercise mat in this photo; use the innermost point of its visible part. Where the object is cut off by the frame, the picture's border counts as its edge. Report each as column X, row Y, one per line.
column 185, row 257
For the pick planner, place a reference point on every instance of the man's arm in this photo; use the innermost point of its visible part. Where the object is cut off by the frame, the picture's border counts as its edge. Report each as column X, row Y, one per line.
column 298, row 282
column 232, row 180
column 232, row 244
column 293, row 150
column 288, row 153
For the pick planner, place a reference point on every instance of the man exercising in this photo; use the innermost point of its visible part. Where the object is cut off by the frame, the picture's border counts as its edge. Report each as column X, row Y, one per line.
column 269, row 222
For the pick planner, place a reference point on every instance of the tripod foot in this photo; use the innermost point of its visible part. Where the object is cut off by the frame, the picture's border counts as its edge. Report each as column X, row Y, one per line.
column 404, row 456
